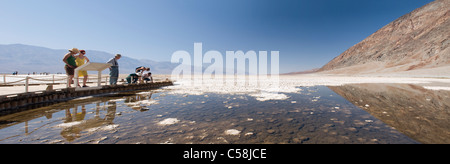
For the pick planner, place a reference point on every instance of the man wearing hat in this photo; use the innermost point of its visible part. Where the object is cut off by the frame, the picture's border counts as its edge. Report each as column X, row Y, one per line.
column 114, row 69
column 70, row 66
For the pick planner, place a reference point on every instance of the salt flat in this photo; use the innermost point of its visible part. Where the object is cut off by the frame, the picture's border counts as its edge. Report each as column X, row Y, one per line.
column 264, row 89
column 274, row 89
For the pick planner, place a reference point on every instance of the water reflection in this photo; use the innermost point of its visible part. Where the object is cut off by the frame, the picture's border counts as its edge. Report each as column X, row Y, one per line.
column 75, row 122
column 421, row 114
column 68, row 120
column 379, row 113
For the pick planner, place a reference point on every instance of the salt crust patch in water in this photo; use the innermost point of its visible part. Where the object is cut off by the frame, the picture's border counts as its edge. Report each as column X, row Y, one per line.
column 232, row 132
column 269, row 96
column 103, row 128
column 69, row 124
column 169, row 121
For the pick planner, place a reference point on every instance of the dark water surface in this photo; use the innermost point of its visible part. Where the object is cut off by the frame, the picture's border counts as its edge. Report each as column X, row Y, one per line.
column 364, row 113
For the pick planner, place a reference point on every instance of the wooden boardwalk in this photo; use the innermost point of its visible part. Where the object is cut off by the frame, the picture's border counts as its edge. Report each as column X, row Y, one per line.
column 32, row 100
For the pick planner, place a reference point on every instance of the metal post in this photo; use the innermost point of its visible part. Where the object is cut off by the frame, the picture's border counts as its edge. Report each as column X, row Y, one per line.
column 75, row 78
column 67, row 82
column 99, row 78
column 26, row 84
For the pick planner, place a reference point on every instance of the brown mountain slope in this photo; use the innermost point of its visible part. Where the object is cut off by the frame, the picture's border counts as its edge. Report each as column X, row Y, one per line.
column 414, row 41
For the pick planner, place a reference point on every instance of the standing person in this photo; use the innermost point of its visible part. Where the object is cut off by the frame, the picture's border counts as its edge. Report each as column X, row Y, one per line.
column 81, row 60
column 114, row 69
column 70, row 66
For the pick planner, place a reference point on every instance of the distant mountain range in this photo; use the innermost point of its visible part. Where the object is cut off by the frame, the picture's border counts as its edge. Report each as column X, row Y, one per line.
column 28, row 59
column 415, row 42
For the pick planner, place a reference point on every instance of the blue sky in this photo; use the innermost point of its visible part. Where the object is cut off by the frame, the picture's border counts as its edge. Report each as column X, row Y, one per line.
column 308, row 33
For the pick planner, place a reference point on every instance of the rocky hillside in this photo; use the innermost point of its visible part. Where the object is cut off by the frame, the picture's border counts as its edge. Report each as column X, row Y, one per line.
column 418, row 40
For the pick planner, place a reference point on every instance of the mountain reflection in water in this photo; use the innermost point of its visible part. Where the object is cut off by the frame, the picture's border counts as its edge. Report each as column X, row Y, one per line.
column 366, row 113
column 421, row 114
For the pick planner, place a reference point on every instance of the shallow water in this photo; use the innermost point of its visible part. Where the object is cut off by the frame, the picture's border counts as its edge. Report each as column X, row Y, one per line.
column 397, row 113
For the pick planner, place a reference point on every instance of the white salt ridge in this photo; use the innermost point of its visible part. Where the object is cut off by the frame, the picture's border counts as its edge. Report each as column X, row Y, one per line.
column 169, row 121
column 437, row 88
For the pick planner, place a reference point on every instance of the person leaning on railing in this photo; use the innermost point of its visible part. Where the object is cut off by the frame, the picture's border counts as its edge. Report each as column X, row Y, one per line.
column 114, row 69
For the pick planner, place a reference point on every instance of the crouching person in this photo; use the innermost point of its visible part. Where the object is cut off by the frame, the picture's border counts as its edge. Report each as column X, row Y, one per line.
column 132, row 78
column 148, row 77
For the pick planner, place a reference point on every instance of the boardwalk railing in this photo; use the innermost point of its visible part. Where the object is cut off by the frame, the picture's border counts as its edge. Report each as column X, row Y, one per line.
column 52, row 79
column 28, row 80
